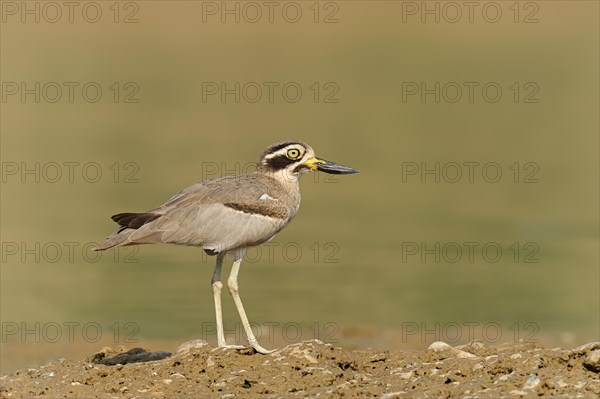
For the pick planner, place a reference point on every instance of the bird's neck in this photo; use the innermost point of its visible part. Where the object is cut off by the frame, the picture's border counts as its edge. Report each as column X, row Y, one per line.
column 286, row 179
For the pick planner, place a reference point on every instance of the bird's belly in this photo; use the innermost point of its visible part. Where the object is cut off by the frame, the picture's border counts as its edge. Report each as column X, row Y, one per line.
column 257, row 230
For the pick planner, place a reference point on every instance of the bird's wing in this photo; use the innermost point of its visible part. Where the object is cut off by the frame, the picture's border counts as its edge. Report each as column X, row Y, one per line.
column 219, row 215
column 222, row 189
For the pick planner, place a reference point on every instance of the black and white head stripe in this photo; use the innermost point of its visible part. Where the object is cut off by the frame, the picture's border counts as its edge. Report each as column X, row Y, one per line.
column 281, row 155
column 279, row 146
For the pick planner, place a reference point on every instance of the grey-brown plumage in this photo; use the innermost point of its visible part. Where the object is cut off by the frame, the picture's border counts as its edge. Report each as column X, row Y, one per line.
column 228, row 214
column 218, row 215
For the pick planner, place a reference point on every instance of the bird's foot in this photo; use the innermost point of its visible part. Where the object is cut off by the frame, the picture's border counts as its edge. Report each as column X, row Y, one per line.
column 260, row 349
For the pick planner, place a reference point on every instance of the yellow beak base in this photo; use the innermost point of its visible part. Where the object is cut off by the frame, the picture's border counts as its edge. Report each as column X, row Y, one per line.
column 313, row 162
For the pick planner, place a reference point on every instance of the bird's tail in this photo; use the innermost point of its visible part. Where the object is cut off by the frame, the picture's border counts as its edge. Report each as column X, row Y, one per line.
column 117, row 239
column 129, row 223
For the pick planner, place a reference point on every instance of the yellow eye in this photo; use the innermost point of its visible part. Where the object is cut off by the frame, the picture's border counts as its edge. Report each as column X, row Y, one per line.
column 293, row 153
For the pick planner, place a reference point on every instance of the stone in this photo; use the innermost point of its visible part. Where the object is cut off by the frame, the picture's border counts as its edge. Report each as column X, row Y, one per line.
column 590, row 346
column 592, row 361
column 593, row 386
column 441, row 347
column 135, row 355
column 559, row 381
column 190, row 345
column 532, row 382
column 517, row 392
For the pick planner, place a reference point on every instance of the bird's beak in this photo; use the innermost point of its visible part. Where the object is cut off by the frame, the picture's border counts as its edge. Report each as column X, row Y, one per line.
column 329, row 167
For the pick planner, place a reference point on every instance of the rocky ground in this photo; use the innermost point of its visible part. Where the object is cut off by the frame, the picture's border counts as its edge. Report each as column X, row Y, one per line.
column 315, row 369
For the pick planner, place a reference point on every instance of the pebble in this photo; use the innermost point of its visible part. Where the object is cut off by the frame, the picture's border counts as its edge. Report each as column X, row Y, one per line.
column 532, row 382
column 504, row 378
column 587, row 347
column 167, row 381
column 392, row 395
column 303, row 354
column 593, row 386
column 477, row 345
column 516, row 356
column 210, row 361
column 406, row 376
column 592, row 361
column 439, row 346
column 242, row 371
column 379, row 357
column 559, row 380
column 193, row 344
column 311, row 370
column 517, row 392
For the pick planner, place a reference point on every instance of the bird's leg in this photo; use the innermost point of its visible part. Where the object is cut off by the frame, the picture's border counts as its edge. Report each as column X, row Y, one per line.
column 217, row 286
column 232, row 284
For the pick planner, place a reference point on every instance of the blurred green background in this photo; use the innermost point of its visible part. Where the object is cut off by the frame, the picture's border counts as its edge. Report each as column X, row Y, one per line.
column 352, row 282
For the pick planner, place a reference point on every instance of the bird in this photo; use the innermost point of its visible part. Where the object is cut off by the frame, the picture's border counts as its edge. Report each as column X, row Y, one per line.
column 227, row 215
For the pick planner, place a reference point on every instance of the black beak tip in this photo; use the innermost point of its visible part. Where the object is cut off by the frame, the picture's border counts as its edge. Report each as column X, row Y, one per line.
column 336, row 169
column 349, row 171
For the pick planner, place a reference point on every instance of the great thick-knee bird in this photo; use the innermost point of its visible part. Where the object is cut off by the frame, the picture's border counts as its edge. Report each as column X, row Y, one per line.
column 227, row 215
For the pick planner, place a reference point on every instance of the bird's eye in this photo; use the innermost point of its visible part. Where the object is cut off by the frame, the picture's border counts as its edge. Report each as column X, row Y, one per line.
column 293, row 153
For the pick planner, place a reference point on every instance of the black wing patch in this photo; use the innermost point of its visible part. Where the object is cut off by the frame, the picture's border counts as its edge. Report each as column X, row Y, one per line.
column 134, row 220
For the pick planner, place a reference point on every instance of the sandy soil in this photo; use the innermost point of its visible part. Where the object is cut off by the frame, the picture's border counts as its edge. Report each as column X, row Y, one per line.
column 315, row 369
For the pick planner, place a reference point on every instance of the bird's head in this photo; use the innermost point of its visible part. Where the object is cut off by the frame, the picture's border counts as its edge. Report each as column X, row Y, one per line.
column 291, row 159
